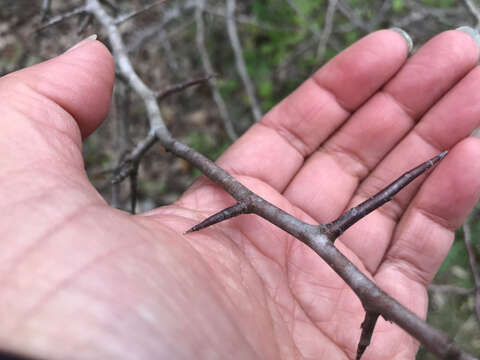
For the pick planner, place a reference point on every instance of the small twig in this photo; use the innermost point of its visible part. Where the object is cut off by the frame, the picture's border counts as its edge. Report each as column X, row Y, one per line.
column 84, row 23
column 247, row 20
column 451, row 289
column 327, row 29
column 120, row 113
column 207, row 65
column 474, row 11
column 122, row 18
column 467, row 232
column 130, row 163
column 162, row 94
column 239, row 60
column 368, row 325
column 338, row 226
column 350, row 14
column 46, row 6
column 62, row 17
column 111, row 5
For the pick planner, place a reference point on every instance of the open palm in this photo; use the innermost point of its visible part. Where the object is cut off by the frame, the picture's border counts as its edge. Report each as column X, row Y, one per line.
column 82, row 280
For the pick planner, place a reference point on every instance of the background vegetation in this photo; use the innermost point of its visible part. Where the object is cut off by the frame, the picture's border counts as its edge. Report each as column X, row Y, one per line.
column 283, row 42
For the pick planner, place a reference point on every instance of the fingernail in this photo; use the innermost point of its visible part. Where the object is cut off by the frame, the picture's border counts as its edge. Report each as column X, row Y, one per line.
column 406, row 37
column 90, row 38
column 472, row 32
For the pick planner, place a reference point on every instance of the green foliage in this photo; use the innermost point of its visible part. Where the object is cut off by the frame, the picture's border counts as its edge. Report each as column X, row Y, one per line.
column 440, row 3
column 397, row 5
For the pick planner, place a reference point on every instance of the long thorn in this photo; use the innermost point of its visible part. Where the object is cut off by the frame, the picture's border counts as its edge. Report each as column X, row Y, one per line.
column 228, row 213
column 338, row 226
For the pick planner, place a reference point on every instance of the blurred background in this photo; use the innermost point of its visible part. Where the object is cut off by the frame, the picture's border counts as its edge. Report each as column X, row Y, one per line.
column 259, row 51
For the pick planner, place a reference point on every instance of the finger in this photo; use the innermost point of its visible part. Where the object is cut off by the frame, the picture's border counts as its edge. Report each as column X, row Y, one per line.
column 45, row 110
column 452, row 119
column 49, row 106
column 296, row 126
column 426, row 231
column 346, row 158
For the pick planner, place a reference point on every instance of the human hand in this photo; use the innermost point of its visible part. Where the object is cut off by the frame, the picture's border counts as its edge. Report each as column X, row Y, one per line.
column 80, row 279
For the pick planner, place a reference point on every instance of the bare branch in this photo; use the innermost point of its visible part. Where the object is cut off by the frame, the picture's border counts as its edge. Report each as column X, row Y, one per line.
column 122, row 18
column 452, row 289
column 467, row 236
column 125, row 67
column 338, row 226
column 474, row 11
column 62, row 17
column 162, row 94
column 130, row 163
column 352, row 16
column 239, row 61
column 111, row 5
column 327, row 29
column 207, row 65
column 247, row 20
column 84, row 23
column 46, row 6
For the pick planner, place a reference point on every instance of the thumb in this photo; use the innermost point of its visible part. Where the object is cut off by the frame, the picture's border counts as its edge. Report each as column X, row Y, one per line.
column 48, row 108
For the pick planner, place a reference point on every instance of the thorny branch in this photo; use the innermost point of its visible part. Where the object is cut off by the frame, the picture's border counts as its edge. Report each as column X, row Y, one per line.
column 318, row 237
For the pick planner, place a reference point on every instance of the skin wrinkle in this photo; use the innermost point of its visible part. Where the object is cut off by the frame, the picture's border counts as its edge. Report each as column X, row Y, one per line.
column 404, row 108
column 206, row 263
column 272, row 327
column 298, row 303
column 290, row 138
column 336, row 99
column 366, row 62
column 354, row 166
column 306, row 149
column 437, row 219
column 98, row 259
column 53, row 107
column 241, row 175
column 35, row 308
column 108, row 325
column 36, row 243
column 45, row 169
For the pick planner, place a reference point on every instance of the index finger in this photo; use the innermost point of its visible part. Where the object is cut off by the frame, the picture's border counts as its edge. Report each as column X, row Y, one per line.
column 301, row 122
